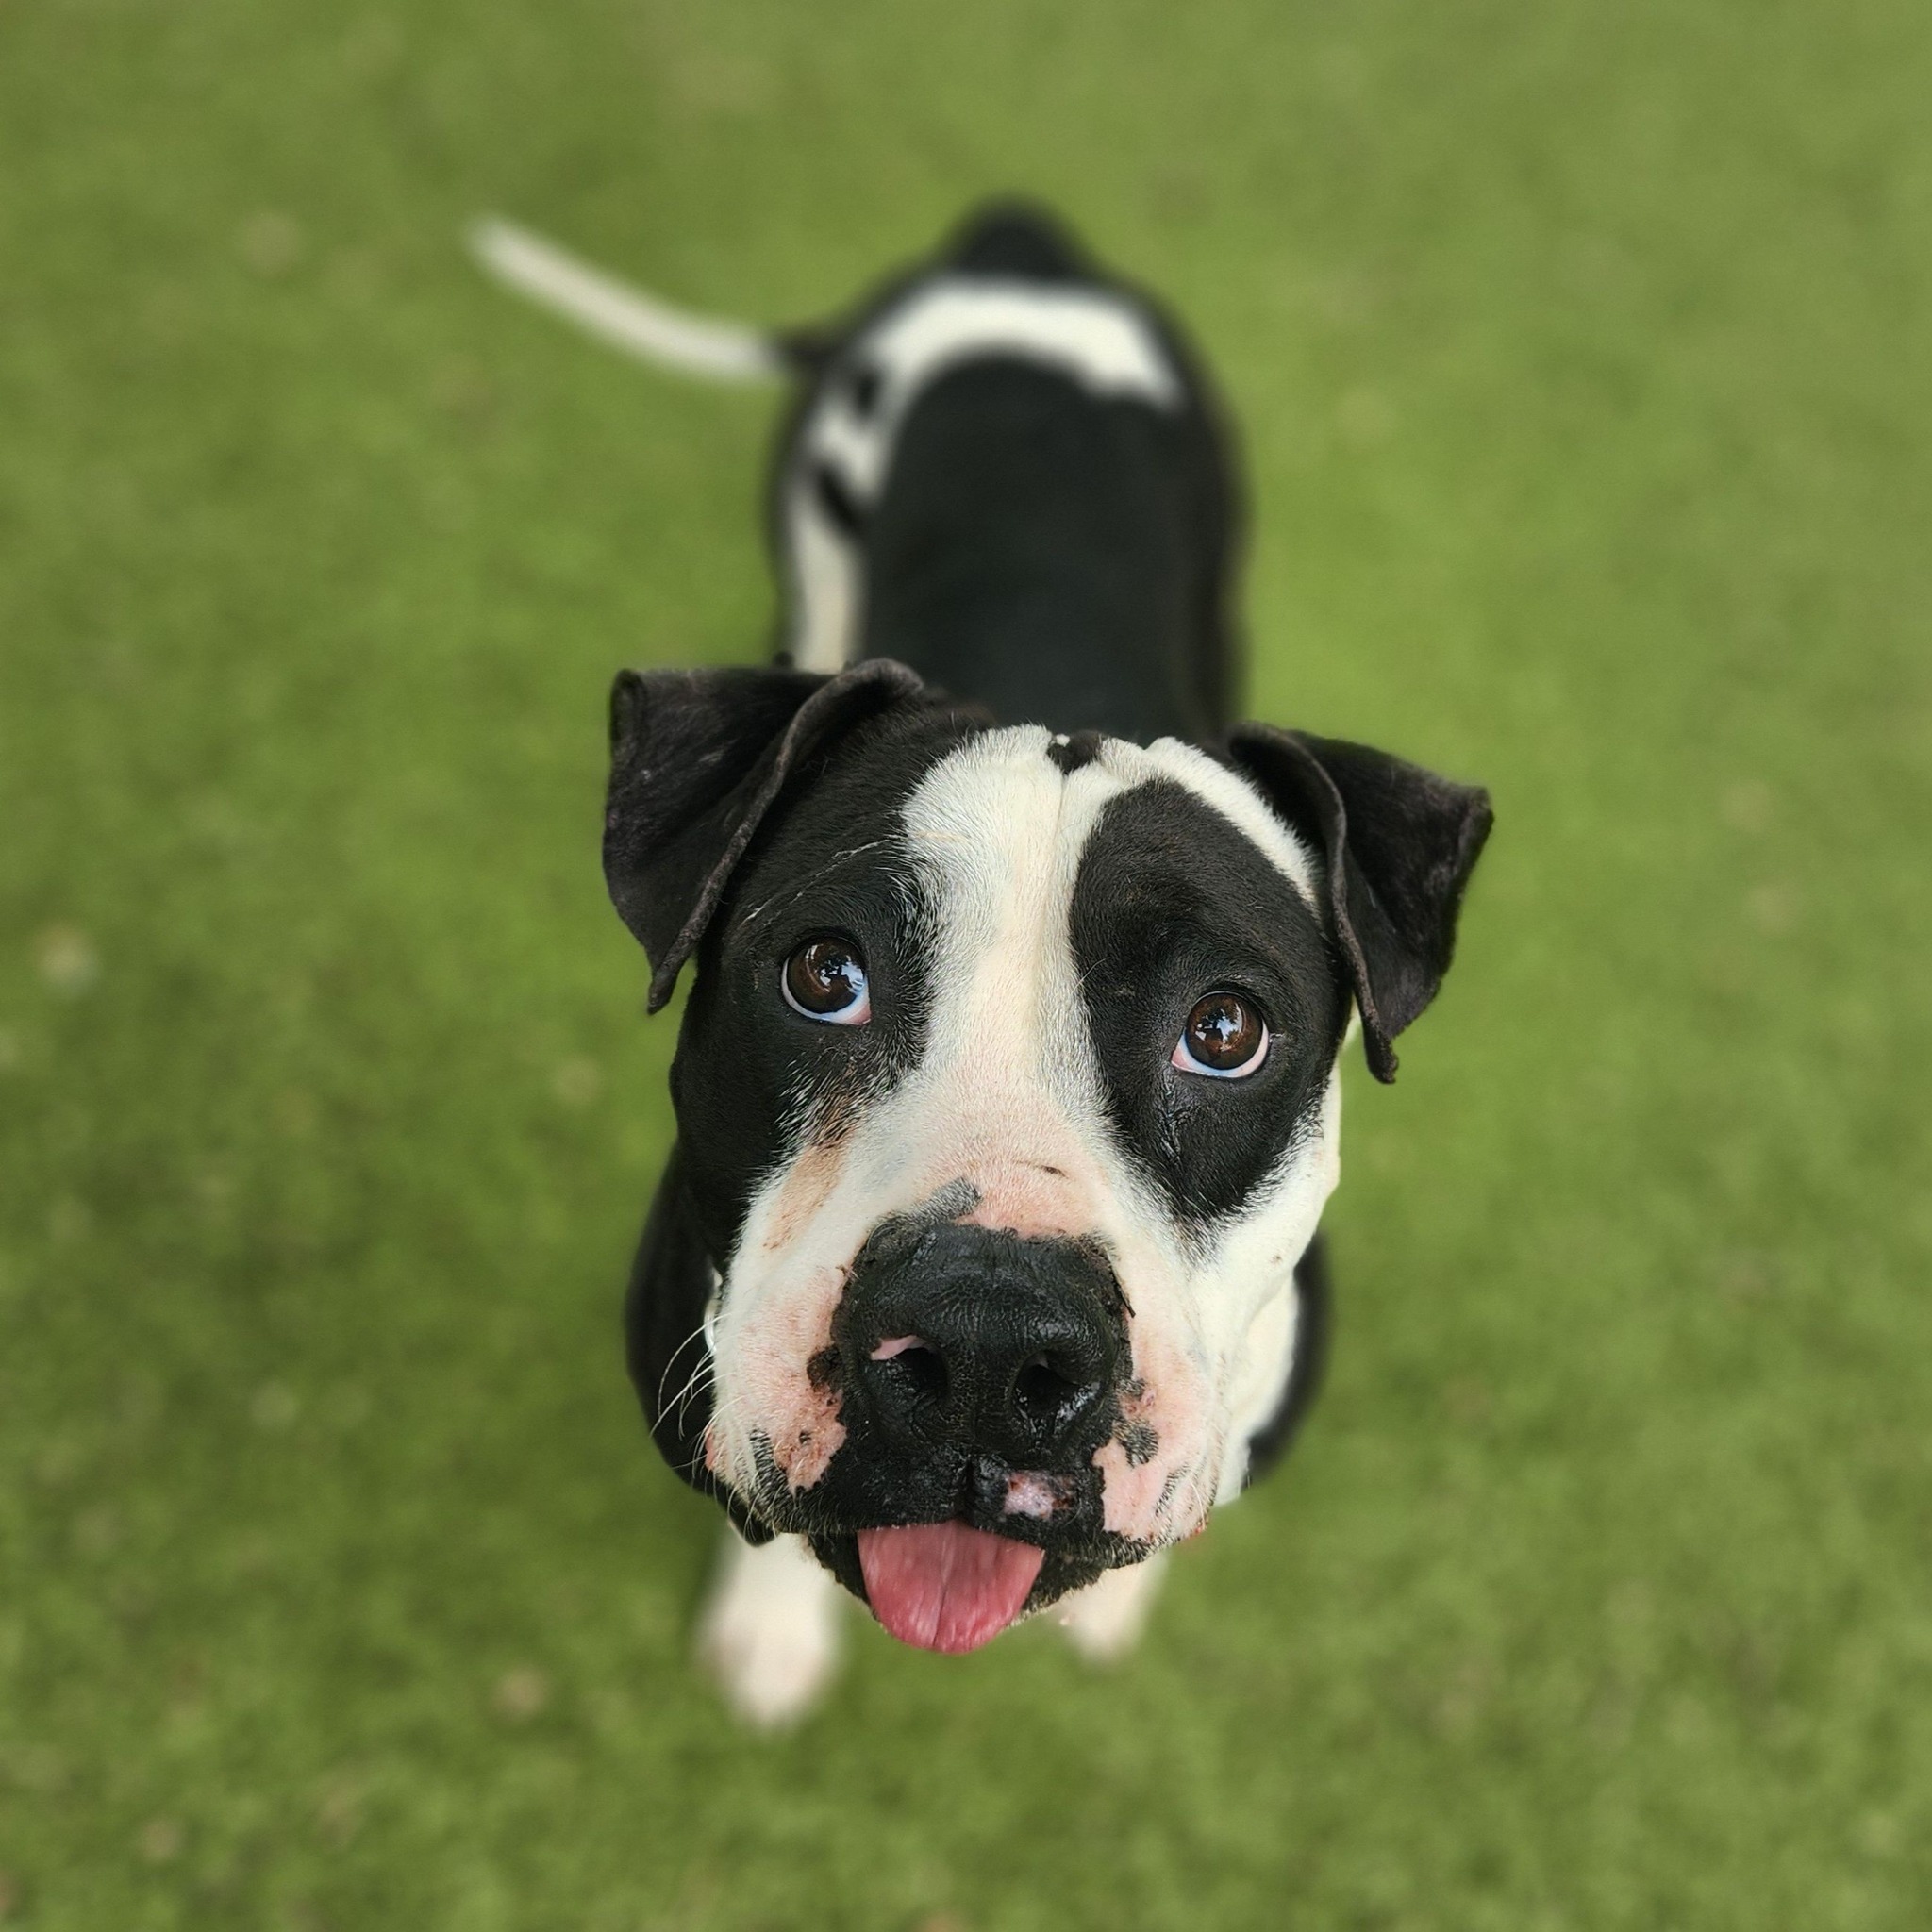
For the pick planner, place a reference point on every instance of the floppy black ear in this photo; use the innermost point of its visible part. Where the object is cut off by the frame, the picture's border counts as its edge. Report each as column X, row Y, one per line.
column 1400, row 843
column 696, row 759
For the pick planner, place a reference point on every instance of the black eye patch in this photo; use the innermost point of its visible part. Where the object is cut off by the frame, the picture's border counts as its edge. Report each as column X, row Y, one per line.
column 1172, row 903
column 753, row 1071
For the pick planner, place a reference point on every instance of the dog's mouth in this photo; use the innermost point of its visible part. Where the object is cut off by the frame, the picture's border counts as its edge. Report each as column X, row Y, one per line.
column 947, row 1548
column 946, row 1585
column 951, row 1586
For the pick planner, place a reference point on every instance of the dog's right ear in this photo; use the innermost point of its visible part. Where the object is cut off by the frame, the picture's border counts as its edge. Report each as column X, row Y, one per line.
column 697, row 758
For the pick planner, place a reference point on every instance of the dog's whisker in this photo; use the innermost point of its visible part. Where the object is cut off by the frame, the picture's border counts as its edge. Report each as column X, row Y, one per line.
column 697, row 1333
column 701, row 1378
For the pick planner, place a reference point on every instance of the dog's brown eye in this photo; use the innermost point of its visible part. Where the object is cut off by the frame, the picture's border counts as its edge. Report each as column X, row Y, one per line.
column 1226, row 1035
column 826, row 980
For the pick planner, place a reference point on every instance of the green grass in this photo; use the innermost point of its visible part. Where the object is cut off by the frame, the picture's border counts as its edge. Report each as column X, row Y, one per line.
column 1584, row 362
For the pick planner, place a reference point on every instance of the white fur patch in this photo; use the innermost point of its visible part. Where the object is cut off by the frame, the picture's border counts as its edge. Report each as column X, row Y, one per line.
column 771, row 1629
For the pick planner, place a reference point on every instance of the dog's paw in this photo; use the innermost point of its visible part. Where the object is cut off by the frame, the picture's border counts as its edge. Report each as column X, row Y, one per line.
column 771, row 1631
column 1103, row 1622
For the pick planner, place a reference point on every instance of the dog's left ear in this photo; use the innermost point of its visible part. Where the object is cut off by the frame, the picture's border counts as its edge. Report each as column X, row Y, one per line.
column 697, row 760
column 1399, row 842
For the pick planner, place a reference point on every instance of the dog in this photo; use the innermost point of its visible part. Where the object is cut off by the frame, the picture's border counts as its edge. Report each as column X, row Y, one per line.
column 986, row 1262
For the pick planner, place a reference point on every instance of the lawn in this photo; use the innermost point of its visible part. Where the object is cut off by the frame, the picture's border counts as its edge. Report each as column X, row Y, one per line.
column 1584, row 359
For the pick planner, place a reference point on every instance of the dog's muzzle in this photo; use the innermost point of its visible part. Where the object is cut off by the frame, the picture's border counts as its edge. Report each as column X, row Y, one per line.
column 977, row 1374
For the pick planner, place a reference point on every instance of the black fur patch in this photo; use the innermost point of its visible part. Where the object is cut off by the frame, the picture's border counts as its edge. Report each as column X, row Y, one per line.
column 1054, row 554
column 1172, row 903
column 749, row 1070
column 1071, row 753
column 1015, row 238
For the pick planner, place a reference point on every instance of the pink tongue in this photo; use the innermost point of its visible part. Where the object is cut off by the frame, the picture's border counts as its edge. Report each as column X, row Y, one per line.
column 943, row 1586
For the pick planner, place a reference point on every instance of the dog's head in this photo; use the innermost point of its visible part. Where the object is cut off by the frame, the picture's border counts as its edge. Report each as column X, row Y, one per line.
column 1008, row 1098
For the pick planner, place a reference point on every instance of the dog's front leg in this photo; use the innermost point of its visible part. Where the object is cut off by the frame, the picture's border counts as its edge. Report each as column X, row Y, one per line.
column 771, row 1629
column 1104, row 1621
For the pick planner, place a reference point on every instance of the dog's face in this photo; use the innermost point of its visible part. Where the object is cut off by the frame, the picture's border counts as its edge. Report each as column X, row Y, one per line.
column 1009, row 1099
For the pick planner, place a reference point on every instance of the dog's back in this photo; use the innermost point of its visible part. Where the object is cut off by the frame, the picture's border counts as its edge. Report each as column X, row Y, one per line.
column 1008, row 473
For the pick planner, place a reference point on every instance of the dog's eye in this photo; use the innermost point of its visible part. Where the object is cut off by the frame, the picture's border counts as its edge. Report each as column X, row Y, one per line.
column 826, row 980
column 1226, row 1035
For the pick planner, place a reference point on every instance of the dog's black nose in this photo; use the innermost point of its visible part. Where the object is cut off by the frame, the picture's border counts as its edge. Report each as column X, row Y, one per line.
column 974, row 1338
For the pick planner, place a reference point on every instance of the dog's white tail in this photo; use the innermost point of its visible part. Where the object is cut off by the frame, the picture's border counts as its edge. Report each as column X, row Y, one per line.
column 626, row 317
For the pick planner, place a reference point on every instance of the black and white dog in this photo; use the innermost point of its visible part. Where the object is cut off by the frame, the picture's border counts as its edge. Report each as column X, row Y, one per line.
column 1008, row 1091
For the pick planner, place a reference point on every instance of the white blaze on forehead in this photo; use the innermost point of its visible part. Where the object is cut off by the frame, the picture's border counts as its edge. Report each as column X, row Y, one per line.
column 1007, row 1096
column 996, row 831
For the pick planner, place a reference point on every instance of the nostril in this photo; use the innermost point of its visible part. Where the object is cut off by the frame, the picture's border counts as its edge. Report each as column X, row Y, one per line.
column 1044, row 1396
column 913, row 1367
